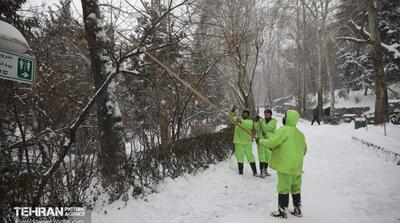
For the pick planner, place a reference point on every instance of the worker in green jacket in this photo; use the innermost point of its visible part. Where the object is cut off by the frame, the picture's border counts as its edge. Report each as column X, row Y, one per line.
column 266, row 128
column 288, row 148
column 243, row 141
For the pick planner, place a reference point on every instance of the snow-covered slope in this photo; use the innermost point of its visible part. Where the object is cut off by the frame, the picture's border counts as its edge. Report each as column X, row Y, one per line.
column 376, row 135
column 356, row 99
column 342, row 183
column 353, row 99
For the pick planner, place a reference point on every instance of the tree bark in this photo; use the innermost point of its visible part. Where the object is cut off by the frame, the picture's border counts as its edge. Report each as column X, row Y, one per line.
column 298, row 58
column 303, row 64
column 325, row 39
column 328, row 70
column 381, row 101
column 320, row 90
column 111, row 156
column 330, row 79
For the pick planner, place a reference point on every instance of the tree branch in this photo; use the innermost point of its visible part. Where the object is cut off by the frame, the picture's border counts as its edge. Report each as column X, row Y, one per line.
column 72, row 135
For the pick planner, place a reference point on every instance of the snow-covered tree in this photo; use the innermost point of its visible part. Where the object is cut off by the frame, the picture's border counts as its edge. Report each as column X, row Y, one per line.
column 111, row 157
column 360, row 18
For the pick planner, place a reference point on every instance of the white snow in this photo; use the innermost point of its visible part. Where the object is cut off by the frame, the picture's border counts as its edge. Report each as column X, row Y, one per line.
column 355, row 99
column 375, row 134
column 92, row 16
column 104, row 57
column 132, row 72
column 220, row 127
column 102, row 34
column 291, row 102
column 393, row 49
column 391, row 31
column 342, row 182
column 112, row 104
column 133, row 146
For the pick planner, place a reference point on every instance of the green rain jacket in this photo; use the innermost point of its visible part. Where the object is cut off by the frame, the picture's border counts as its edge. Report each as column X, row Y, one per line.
column 288, row 146
column 268, row 129
column 240, row 136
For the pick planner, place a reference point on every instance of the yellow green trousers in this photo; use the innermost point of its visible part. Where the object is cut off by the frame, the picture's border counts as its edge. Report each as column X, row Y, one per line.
column 264, row 154
column 288, row 183
column 243, row 151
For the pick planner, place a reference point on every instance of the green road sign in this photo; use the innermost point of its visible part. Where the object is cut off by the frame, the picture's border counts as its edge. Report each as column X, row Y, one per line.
column 17, row 67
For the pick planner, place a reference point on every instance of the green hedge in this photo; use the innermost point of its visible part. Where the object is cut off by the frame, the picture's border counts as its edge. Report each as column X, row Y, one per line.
column 150, row 166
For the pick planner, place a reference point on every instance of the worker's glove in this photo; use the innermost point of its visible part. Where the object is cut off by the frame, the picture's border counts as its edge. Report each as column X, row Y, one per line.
column 257, row 118
column 233, row 109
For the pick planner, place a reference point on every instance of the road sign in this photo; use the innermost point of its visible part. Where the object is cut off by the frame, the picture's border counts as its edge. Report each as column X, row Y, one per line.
column 17, row 67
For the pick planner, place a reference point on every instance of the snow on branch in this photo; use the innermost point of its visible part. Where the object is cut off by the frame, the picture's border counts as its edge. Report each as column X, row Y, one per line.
column 91, row 102
column 352, row 39
column 390, row 50
column 73, row 128
column 393, row 49
column 360, row 29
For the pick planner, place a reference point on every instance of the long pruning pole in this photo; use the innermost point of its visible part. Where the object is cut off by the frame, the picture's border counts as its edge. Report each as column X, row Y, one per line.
column 188, row 86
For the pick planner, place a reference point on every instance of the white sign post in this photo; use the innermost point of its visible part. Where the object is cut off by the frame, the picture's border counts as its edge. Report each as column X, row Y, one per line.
column 17, row 67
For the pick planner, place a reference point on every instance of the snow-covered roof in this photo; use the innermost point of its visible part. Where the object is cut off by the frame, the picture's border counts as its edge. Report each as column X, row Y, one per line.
column 11, row 39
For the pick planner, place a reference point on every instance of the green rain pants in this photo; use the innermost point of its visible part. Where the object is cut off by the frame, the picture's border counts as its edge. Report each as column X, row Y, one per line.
column 289, row 183
column 264, row 154
column 242, row 151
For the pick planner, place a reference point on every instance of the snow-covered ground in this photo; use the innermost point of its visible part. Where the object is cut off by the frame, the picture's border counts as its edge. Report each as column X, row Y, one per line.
column 342, row 182
column 353, row 99
column 376, row 135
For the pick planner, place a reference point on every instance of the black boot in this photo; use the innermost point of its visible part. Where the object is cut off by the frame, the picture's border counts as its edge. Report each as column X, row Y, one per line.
column 262, row 169
column 261, row 166
column 297, row 205
column 283, row 203
column 254, row 168
column 240, row 167
column 266, row 170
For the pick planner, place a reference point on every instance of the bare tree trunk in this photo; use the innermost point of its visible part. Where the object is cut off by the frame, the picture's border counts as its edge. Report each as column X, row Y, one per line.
column 330, row 79
column 250, row 93
column 298, row 77
column 241, row 25
column 111, row 157
column 325, row 41
column 320, row 90
column 245, row 90
column 303, row 86
column 267, row 82
column 163, row 119
column 303, row 64
column 277, row 63
column 299, row 59
column 381, row 101
column 164, row 129
column 328, row 69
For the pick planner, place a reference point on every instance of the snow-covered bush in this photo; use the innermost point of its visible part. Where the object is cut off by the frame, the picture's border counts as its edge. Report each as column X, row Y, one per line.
column 149, row 166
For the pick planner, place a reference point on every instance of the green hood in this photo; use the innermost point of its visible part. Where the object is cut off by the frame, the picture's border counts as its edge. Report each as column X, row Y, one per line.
column 288, row 146
column 292, row 117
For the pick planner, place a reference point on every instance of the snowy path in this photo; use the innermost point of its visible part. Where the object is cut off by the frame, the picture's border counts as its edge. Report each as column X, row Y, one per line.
column 342, row 183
